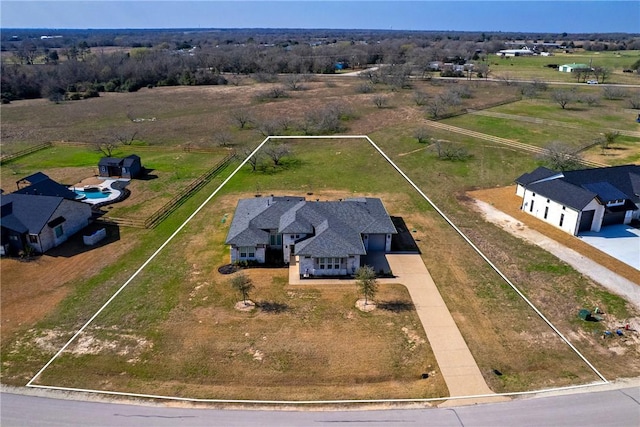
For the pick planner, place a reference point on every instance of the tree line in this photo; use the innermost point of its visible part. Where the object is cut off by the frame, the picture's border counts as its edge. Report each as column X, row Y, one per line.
column 78, row 64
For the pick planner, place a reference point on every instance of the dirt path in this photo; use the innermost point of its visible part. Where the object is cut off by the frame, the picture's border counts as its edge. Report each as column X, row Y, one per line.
column 502, row 141
column 500, row 206
column 546, row 121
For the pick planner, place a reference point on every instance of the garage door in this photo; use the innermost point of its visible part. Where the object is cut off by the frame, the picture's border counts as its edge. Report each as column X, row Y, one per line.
column 377, row 242
column 586, row 220
column 611, row 218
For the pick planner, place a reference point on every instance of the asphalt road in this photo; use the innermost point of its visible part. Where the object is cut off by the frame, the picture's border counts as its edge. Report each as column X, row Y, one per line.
column 620, row 407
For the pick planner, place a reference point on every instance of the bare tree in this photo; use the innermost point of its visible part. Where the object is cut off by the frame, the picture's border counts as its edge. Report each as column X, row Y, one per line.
column 601, row 73
column 436, row 107
column 252, row 159
column 422, row 135
column 222, row 138
column 420, row 98
column 276, row 152
column 561, row 156
column 268, row 127
column 562, row 97
column 241, row 117
column 613, row 92
column 107, row 148
column 380, row 101
column 125, row 138
column 482, row 70
column 447, row 151
column 294, row 81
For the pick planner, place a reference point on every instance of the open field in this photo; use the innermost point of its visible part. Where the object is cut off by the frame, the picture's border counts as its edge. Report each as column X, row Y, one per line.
column 173, row 330
column 535, row 67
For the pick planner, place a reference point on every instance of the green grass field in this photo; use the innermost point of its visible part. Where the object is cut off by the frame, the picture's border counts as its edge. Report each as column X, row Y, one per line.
column 174, row 330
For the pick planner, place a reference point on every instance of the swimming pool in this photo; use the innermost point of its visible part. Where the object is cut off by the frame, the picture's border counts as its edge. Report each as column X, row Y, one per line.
column 92, row 194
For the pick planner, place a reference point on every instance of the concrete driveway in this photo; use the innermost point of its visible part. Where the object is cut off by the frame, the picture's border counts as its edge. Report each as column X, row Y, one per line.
column 457, row 365
column 620, row 241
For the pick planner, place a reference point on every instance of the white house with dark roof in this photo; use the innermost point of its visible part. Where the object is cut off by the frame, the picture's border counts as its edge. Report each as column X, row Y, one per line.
column 582, row 200
column 326, row 238
column 40, row 222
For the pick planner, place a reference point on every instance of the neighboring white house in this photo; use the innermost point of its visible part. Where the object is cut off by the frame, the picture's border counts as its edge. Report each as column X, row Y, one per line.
column 582, row 200
column 326, row 238
column 570, row 68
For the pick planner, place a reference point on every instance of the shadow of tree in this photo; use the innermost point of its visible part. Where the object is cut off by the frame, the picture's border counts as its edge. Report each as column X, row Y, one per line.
column 396, row 306
column 272, row 307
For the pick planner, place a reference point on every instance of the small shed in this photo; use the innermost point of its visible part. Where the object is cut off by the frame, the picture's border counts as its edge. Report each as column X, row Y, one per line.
column 128, row 167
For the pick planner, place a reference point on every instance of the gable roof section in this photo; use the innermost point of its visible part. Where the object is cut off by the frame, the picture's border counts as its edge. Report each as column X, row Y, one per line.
column 625, row 178
column 29, row 213
column 128, row 161
column 577, row 188
column 48, row 187
column 32, row 179
column 605, row 191
column 336, row 226
column 564, row 193
column 110, row 161
column 538, row 174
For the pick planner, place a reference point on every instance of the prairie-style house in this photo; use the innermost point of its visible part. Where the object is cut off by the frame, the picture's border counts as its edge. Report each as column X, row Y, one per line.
column 582, row 200
column 40, row 222
column 326, row 238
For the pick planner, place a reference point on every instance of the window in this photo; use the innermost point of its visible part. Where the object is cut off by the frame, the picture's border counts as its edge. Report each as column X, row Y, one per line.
column 58, row 231
column 546, row 212
column 33, row 238
column 275, row 239
column 247, row 251
column 561, row 219
column 531, row 206
column 329, row 263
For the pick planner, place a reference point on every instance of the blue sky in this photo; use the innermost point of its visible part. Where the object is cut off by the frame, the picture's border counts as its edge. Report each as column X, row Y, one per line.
column 455, row 15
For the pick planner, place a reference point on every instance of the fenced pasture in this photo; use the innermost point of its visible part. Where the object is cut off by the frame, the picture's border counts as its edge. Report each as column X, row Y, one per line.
column 174, row 330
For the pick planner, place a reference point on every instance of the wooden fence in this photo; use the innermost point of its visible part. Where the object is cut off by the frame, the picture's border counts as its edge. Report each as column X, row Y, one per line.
column 158, row 216
column 9, row 157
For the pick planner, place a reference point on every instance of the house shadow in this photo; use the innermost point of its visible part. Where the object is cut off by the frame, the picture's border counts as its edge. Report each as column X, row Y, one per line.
column 403, row 241
column 75, row 245
column 147, row 175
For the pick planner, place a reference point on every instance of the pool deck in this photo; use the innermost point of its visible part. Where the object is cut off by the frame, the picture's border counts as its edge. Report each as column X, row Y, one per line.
column 103, row 183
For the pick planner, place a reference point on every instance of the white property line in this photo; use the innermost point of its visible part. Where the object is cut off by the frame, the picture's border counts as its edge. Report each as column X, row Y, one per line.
column 142, row 267
column 475, row 248
column 139, row 270
column 311, row 402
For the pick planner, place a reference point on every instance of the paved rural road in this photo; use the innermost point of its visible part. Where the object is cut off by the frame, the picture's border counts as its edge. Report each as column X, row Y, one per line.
column 620, row 407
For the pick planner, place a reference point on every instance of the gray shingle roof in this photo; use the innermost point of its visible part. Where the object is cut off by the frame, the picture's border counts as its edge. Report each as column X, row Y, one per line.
column 538, row 174
column 336, row 226
column 577, row 188
column 47, row 187
column 564, row 193
column 28, row 213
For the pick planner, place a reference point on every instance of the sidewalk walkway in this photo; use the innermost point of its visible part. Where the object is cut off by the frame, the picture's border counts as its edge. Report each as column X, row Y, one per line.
column 457, row 365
